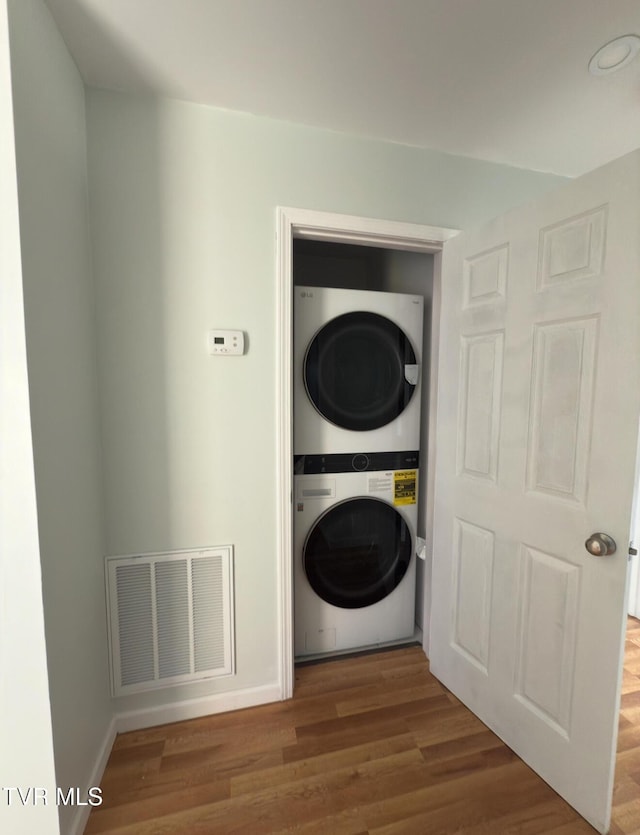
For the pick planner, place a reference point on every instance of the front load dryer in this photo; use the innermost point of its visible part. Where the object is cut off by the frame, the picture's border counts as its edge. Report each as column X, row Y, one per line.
column 357, row 364
column 354, row 550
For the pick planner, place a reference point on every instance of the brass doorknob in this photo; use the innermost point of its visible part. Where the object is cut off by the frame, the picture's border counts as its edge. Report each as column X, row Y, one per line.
column 600, row 544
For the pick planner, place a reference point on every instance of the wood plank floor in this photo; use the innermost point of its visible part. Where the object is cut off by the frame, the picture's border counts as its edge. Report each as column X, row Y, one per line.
column 372, row 744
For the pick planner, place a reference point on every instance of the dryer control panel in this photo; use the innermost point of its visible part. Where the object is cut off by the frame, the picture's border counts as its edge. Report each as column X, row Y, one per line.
column 346, row 462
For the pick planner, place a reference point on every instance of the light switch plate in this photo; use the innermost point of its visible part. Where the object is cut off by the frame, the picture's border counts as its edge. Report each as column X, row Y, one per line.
column 226, row 343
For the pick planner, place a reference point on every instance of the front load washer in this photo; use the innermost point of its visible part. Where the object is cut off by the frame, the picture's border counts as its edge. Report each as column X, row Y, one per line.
column 354, row 550
column 357, row 363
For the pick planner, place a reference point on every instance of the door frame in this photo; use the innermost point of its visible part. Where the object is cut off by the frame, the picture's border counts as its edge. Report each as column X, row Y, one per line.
column 351, row 229
column 633, row 580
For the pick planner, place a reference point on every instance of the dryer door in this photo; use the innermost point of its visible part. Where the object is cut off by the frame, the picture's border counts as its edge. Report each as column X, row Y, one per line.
column 360, row 371
column 357, row 552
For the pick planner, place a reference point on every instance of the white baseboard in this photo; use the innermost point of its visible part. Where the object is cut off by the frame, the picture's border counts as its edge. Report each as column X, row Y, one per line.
column 134, row 720
column 82, row 813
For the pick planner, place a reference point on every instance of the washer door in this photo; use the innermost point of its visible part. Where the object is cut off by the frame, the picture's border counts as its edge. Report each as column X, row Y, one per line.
column 357, row 552
column 360, row 371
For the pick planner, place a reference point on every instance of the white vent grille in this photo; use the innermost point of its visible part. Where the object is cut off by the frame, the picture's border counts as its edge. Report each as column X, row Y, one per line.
column 170, row 618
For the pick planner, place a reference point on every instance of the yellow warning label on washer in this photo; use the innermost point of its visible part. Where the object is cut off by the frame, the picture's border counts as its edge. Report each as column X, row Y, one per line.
column 404, row 486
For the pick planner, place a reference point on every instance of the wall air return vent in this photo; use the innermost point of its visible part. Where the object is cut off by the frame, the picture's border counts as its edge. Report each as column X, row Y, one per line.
column 170, row 618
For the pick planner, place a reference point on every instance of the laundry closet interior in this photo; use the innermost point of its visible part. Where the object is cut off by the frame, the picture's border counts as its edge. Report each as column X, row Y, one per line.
column 361, row 357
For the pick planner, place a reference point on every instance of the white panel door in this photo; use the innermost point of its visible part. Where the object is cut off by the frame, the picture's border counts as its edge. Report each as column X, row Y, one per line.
column 538, row 408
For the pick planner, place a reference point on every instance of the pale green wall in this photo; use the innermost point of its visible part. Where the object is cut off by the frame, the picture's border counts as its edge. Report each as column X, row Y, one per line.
column 183, row 202
column 26, row 744
column 59, row 305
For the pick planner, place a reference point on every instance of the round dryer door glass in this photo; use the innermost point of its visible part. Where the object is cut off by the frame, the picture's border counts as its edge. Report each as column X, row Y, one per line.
column 357, row 553
column 360, row 371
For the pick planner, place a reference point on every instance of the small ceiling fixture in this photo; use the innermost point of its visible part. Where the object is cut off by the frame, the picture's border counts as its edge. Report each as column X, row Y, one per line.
column 615, row 55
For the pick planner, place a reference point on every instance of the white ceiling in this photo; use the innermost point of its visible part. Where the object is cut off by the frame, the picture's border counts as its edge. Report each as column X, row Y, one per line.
column 502, row 80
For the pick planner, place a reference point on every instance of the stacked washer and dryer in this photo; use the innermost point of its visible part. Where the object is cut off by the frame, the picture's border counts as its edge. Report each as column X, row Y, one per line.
column 357, row 369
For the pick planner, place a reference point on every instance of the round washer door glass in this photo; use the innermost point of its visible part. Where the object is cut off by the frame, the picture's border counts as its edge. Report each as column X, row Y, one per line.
column 360, row 371
column 357, row 552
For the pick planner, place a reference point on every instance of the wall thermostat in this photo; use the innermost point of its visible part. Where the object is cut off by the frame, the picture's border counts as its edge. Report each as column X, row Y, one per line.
column 226, row 343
